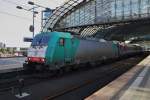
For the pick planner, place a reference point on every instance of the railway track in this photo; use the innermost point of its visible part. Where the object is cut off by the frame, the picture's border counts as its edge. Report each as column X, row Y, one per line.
column 30, row 79
column 113, row 72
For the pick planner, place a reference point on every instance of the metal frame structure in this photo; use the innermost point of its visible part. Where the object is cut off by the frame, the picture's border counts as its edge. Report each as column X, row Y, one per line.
column 59, row 12
column 86, row 17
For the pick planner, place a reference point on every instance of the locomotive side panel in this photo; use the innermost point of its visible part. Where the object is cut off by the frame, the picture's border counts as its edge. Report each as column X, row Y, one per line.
column 94, row 50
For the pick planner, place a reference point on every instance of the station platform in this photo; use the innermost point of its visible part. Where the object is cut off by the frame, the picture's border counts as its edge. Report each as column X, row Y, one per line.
column 11, row 64
column 132, row 85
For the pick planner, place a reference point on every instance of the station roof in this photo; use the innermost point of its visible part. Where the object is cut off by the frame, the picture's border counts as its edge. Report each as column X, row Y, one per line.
column 103, row 23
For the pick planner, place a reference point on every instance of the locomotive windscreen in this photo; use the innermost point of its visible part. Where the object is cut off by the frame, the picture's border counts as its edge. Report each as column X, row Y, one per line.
column 41, row 40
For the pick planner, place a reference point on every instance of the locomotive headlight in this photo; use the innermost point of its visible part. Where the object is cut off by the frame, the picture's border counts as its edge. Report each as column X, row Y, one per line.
column 43, row 60
column 29, row 58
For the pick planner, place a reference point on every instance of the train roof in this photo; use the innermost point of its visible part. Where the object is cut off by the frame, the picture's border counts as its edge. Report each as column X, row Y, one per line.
column 57, row 34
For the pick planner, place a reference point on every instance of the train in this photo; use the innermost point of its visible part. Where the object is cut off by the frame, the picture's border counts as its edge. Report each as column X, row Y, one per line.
column 55, row 50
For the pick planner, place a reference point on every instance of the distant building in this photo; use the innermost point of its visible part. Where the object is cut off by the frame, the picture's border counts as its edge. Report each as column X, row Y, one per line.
column 2, row 45
column 17, row 51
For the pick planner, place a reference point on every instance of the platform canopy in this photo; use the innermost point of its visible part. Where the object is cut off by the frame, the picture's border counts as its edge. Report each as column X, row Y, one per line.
column 86, row 17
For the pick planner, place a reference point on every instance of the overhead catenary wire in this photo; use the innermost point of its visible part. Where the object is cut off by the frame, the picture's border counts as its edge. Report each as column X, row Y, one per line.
column 13, row 15
column 9, row 14
column 14, row 3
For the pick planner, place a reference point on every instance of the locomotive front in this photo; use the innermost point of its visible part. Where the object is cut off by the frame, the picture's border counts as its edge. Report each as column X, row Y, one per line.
column 48, row 50
column 37, row 51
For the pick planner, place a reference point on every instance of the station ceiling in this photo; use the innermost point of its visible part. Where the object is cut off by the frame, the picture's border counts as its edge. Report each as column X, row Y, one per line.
column 109, row 19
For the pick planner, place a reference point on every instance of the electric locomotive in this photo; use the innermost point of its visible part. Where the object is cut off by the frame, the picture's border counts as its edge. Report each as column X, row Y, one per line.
column 54, row 50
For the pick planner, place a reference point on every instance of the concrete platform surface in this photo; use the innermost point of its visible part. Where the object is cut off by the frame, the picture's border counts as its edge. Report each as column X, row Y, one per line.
column 132, row 85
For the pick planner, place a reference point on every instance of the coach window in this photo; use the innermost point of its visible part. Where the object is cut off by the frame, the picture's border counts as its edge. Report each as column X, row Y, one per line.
column 61, row 41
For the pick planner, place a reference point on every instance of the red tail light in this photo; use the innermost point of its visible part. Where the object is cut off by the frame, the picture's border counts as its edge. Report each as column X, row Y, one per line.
column 36, row 59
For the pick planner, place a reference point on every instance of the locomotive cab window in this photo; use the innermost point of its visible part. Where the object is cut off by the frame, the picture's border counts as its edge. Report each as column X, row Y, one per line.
column 61, row 42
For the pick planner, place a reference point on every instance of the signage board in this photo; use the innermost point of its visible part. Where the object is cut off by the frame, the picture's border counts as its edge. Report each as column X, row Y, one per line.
column 27, row 39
